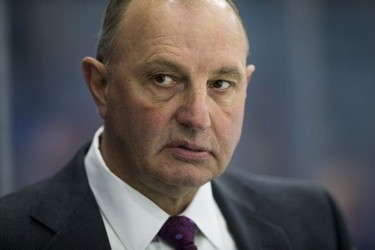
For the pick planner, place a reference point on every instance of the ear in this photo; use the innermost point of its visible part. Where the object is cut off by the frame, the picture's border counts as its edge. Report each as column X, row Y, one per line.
column 249, row 71
column 95, row 75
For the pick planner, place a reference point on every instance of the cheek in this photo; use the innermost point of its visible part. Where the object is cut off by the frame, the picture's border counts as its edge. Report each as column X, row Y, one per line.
column 138, row 114
column 153, row 121
column 148, row 120
column 229, row 127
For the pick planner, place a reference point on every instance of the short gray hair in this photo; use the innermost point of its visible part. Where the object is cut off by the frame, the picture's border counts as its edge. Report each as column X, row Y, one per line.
column 111, row 21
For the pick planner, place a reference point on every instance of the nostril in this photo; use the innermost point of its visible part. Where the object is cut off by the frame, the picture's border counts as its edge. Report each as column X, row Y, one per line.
column 194, row 112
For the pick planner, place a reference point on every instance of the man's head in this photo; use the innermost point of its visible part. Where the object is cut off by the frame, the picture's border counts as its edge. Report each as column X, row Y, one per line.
column 111, row 22
column 173, row 97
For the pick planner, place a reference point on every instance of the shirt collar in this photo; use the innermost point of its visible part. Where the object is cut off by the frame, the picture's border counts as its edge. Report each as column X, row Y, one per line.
column 136, row 219
column 204, row 211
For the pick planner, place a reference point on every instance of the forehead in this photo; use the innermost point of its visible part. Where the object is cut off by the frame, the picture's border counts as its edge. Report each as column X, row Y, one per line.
column 208, row 25
column 146, row 14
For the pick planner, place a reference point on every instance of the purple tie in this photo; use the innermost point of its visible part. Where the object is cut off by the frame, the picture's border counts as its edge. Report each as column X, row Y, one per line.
column 179, row 231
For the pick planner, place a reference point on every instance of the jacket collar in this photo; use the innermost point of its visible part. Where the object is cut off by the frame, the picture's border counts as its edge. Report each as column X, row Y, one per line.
column 239, row 204
column 68, row 208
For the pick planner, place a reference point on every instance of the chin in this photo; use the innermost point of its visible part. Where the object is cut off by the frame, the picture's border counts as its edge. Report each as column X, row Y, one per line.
column 189, row 178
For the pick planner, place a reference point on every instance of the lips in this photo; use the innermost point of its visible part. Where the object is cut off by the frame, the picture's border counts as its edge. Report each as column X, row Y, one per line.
column 185, row 150
column 189, row 146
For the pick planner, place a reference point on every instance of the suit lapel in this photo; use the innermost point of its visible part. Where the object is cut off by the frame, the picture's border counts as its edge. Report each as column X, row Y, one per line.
column 248, row 227
column 83, row 229
column 68, row 208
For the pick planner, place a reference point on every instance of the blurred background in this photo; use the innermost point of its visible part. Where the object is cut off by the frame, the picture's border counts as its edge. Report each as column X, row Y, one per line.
column 310, row 110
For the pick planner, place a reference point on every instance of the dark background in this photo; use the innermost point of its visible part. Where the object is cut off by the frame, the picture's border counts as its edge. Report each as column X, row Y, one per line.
column 310, row 110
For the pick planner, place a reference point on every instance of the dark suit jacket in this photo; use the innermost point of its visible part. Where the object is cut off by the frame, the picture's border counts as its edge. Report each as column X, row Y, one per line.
column 261, row 212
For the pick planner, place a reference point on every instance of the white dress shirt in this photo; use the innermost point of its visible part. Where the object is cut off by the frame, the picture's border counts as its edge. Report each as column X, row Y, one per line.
column 132, row 221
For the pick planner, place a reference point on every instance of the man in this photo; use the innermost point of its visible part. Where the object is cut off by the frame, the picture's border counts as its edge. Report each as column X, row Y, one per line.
column 170, row 82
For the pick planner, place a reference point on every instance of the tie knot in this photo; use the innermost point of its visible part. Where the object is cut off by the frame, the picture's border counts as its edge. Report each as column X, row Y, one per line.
column 179, row 231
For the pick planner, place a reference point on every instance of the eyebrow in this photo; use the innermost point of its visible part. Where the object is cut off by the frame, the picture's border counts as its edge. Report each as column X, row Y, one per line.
column 232, row 71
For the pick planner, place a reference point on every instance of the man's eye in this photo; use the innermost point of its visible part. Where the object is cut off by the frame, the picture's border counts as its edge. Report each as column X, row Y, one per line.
column 163, row 80
column 221, row 85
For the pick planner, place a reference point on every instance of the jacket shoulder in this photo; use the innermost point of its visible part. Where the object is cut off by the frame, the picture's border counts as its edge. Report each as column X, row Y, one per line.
column 303, row 209
column 270, row 188
column 277, row 197
column 21, row 216
column 16, row 222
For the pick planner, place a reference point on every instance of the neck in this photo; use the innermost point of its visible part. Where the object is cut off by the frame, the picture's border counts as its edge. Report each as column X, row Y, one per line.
column 172, row 206
column 172, row 199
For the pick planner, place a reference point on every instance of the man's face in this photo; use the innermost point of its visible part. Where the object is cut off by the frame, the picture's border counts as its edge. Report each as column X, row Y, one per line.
column 175, row 94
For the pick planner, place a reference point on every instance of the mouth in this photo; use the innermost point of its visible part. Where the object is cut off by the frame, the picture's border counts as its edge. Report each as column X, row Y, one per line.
column 188, row 151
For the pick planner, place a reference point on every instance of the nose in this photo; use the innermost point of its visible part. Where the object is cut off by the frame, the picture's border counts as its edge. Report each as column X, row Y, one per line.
column 194, row 112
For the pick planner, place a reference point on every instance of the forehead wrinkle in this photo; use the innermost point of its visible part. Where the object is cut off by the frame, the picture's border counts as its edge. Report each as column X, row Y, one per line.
column 164, row 63
column 162, row 52
column 179, row 43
